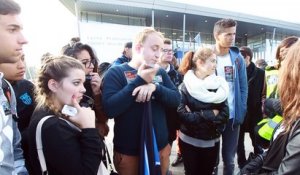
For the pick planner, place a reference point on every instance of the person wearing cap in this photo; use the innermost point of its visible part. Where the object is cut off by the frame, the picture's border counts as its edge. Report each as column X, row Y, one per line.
column 126, row 55
column 261, row 63
column 256, row 96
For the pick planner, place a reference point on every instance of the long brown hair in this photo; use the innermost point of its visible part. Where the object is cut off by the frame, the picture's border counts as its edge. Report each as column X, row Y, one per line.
column 74, row 49
column 186, row 62
column 287, row 43
column 289, row 86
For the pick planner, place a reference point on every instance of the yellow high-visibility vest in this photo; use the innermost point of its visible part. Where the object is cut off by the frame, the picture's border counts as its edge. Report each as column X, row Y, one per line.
column 269, row 125
column 271, row 80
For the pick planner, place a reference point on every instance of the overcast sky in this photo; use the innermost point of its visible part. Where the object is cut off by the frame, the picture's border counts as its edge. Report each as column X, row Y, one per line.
column 48, row 25
column 287, row 10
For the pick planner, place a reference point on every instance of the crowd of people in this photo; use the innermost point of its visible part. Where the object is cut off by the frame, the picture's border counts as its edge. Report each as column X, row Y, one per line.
column 57, row 124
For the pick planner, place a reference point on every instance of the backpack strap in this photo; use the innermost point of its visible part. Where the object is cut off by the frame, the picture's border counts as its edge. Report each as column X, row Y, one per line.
column 109, row 163
column 39, row 144
column 6, row 90
column 11, row 98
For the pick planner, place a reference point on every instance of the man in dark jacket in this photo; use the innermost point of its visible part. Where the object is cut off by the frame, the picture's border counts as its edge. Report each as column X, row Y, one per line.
column 256, row 96
column 171, row 113
column 126, row 55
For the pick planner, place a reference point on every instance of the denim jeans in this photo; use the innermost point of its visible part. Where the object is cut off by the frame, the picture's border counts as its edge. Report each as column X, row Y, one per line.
column 229, row 146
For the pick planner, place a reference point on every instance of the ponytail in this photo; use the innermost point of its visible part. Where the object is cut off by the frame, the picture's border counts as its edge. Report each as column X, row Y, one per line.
column 187, row 62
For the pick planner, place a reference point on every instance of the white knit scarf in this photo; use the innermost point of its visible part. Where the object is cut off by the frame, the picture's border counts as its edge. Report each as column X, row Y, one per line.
column 198, row 88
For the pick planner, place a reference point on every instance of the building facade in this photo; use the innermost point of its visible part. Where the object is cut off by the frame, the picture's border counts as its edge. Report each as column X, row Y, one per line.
column 103, row 24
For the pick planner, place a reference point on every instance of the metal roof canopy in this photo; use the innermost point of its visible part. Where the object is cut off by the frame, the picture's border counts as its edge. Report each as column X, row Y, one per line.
column 170, row 15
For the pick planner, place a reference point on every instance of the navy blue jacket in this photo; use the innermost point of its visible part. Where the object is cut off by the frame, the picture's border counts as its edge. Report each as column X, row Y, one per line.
column 119, row 104
column 121, row 60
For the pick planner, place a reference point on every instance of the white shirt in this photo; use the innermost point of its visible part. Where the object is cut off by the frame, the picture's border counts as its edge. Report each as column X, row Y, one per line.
column 225, row 69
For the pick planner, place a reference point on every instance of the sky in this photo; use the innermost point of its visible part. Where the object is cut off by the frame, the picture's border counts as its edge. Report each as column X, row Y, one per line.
column 287, row 10
column 48, row 25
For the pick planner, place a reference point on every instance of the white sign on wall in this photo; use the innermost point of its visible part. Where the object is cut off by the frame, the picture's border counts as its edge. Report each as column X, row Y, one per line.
column 107, row 39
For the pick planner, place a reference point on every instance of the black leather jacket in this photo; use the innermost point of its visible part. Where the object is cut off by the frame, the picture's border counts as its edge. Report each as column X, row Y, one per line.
column 200, row 122
column 287, row 157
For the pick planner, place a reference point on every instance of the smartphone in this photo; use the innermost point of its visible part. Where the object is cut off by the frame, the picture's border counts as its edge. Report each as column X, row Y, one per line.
column 69, row 110
column 88, row 77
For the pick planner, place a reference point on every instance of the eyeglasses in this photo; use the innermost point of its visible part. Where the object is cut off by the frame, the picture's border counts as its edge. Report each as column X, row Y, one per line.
column 167, row 50
column 88, row 64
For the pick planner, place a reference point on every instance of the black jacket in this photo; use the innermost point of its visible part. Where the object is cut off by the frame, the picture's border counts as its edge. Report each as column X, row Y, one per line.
column 256, row 93
column 201, row 122
column 171, row 113
column 175, row 76
column 67, row 150
column 281, row 158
